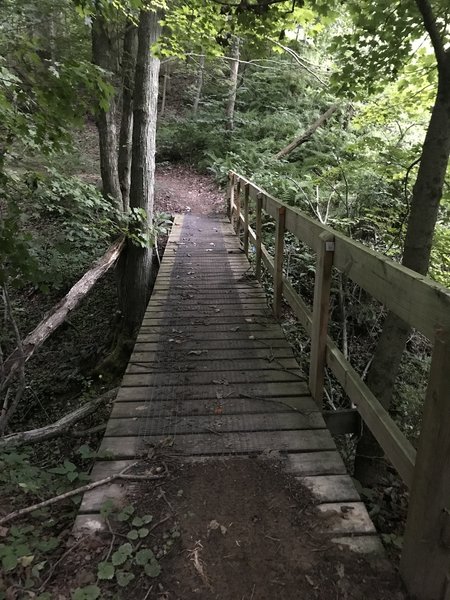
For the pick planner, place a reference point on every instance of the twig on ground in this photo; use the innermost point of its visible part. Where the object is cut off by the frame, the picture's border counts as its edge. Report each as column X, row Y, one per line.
column 61, row 558
column 81, row 490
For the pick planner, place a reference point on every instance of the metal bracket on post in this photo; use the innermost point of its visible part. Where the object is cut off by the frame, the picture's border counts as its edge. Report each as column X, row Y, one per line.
column 321, row 307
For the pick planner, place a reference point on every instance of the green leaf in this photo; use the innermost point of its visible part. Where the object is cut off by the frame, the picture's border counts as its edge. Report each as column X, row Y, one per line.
column 144, row 556
column 143, row 532
column 124, row 578
column 121, row 554
column 126, row 513
column 89, row 592
column 107, row 508
column 152, row 569
column 137, row 522
column 9, row 562
column 105, row 570
column 133, row 534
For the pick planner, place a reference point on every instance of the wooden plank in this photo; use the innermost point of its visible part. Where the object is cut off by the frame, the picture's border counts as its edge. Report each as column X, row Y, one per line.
column 216, row 424
column 398, row 449
column 227, row 354
column 227, row 443
column 278, row 262
column 244, row 328
column 233, row 319
column 206, row 335
column 331, row 488
column 248, row 364
column 321, row 309
column 369, row 545
column 345, row 518
column 213, row 405
column 316, row 463
column 188, row 378
column 426, row 548
column 189, row 345
column 241, row 390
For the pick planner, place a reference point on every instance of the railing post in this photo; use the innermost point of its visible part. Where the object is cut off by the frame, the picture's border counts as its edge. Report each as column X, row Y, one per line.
column 321, row 307
column 237, row 226
column 425, row 562
column 230, row 195
column 246, row 196
column 258, row 233
column 278, row 262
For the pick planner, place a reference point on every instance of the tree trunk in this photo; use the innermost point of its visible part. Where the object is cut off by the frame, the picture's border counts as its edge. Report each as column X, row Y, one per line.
column 137, row 268
column 102, row 56
column 198, row 91
column 126, row 124
column 232, row 82
column 427, row 193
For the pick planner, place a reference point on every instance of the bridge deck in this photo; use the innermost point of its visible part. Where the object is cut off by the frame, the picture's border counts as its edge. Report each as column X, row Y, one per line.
column 213, row 373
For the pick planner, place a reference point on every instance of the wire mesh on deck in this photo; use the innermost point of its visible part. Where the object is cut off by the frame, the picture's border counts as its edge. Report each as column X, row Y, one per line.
column 203, row 276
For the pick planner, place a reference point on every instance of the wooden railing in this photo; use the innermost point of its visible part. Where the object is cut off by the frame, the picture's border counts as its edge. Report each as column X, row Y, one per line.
column 421, row 303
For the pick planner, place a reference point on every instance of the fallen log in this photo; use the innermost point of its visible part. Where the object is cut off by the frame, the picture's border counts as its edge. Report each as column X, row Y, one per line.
column 304, row 137
column 56, row 429
column 57, row 315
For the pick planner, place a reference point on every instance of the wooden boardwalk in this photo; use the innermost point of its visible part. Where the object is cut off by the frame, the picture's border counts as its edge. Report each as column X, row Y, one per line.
column 213, row 372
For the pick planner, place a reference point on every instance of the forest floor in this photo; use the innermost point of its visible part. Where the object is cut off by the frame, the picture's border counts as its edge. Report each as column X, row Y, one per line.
column 230, row 529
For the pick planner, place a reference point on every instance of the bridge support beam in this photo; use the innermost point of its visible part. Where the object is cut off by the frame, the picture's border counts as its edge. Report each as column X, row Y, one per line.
column 425, row 562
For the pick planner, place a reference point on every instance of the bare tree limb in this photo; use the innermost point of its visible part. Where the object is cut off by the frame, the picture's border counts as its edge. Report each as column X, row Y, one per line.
column 56, row 316
column 59, row 427
column 305, row 136
column 80, row 490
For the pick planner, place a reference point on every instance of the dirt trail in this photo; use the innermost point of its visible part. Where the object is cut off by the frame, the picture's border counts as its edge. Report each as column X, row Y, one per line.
column 179, row 189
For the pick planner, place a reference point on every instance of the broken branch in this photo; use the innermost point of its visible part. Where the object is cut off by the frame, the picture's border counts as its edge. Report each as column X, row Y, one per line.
column 304, row 137
column 59, row 427
column 80, row 490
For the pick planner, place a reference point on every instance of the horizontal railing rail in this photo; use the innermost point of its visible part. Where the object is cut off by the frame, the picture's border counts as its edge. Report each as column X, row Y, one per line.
column 419, row 301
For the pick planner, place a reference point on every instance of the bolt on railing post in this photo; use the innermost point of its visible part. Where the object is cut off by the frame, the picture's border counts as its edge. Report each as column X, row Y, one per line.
column 246, row 197
column 321, row 308
column 258, row 232
column 425, row 561
column 278, row 262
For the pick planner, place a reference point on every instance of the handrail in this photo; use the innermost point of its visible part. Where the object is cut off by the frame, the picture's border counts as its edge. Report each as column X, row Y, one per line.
column 420, row 302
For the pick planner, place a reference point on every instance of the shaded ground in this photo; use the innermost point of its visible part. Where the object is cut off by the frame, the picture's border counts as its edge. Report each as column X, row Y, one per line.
column 181, row 189
column 233, row 529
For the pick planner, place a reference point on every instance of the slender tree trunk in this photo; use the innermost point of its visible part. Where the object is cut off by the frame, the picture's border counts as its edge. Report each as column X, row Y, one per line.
column 102, row 56
column 137, row 271
column 425, row 201
column 166, row 79
column 233, row 80
column 126, row 124
column 198, row 91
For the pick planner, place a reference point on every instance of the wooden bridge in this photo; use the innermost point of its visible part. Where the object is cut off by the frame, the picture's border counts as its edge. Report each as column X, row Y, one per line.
column 213, row 372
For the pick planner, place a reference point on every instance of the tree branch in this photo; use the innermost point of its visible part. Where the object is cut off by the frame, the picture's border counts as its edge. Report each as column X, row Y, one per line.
column 429, row 22
column 59, row 427
column 81, row 490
